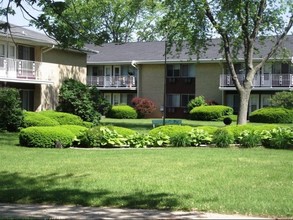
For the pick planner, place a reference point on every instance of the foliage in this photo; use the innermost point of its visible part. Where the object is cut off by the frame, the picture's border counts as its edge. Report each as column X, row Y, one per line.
column 199, row 136
column 227, row 120
column 101, row 136
column 62, row 118
column 125, row 132
column 75, row 129
column 46, row 137
column 138, row 140
column 209, row 113
column 279, row 138
column 75, row 98
column 192, row 24
column 248, row 139
column 143, row 106
column 208, row 129
column 100, row 104
column 283, row 99
column 223, row 138
column 36, row 119
column 122, row 111
column 196, row 102
column 11, row 115
column 170, row 130
column 272, row 115
column 180, row 140
column 160, row 139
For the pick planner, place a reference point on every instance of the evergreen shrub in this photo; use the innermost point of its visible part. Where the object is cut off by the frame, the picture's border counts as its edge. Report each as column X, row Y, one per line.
column 210, row 112
column 36, row 119
column 46, row 137
column 62, row 118
column 122, row 112
column 272, row 115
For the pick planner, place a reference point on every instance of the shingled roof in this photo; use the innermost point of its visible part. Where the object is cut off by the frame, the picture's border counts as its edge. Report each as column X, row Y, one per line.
column 153, row 52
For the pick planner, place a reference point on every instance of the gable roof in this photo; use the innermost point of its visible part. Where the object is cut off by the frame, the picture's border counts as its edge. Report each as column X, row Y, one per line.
column 153, row 52
column 26, row 35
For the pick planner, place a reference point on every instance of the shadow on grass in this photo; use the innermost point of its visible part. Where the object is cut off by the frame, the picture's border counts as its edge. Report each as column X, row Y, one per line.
column 42, row 190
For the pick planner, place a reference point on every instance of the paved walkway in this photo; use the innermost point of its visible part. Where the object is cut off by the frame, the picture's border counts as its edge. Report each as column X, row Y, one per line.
column 79, row 212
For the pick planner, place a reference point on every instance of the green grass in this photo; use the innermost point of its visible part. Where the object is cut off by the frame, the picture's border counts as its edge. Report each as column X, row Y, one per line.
column 247, row 181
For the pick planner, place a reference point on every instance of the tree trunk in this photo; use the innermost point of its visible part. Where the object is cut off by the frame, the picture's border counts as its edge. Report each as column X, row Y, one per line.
column 243, row 106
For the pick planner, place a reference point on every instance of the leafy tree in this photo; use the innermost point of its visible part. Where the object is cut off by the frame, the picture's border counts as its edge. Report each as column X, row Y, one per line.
column 100, row 103
column 75, row 98
column 283, row 99
column 143, row 106
column 239, row 24
column 11, row 115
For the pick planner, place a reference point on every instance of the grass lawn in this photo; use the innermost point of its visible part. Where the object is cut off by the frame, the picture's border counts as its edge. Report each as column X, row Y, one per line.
column 247, row 181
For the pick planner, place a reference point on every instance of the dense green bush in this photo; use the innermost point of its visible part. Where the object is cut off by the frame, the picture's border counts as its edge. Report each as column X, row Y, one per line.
column 46, row 137
column 36, row 119
column 125, row 132
column 272, row 115
column 11, row 115
column 278, row 138
column 180, row 140
column 122, row 111
column 248, row 139
column 283, row 99
column 196, row 102
column 199, row 136
column 76, row 98
column 170, row 130
column 75, row 129
column 223, row 138
column 209, row 129
column 210, row 112
column 63, row 118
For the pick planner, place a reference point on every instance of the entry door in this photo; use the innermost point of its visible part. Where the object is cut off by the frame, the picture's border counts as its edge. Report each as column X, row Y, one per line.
column 108, row 76
column 253, row 102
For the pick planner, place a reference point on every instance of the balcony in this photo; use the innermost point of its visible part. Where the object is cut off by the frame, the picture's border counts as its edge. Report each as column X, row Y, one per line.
column 23, row 71
column 112, row 82
column 262, row 81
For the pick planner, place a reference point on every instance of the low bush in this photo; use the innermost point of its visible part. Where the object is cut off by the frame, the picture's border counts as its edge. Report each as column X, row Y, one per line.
column 122, row 111
column 138, row 140
column 279, row 138
column 143, row 106
column 223, row 138
column 199, row 136
column 272, row 115
column 210, row 112
column 125, row 132
column 170, row 130
column 62, row 118
column 248, row 139
column 180, row 140
column 46, row 137
column 196, row 102
column 209, row 129
column 36, row 119
column 75, row 129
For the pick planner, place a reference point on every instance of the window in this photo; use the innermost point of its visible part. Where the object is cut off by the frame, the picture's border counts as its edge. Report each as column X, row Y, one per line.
column 27, row 99
column 26, row 53
column 173, row 100
column 181, row 70
column 185, row 99
column 97, row 71
column 11, row 52
column 2, row 50
column 281, row 68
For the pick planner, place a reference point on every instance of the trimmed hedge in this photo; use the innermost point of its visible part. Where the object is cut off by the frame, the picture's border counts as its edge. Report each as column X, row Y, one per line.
column 170, row 130
column 46, row 137
column 36, row 119
column 75, row 129
column 122, row 112
column 210, row 112
column 272, row 115
column 63, row 118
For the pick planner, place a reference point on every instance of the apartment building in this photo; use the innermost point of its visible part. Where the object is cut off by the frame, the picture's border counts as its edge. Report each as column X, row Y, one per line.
column 124, row 71
column 33, row 63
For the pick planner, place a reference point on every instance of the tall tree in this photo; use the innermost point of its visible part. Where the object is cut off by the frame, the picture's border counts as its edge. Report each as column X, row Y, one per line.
column 239, row 24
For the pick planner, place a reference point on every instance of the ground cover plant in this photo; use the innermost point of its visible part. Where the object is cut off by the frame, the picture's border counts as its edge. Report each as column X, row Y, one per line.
column 254, row 181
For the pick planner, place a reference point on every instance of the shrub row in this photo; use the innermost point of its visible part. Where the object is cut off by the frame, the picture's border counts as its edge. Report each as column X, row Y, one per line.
column 122, row 111
column 51, row 118
column 272, row 115
column 210, row 112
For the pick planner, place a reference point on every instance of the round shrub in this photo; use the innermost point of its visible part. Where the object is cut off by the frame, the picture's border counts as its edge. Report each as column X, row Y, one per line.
column 210, row 112
column 272, row 115
column 46, row 137
column 36, row 119
column 125, row 132
column 122, row 111
column 75, row 129
column 63, row 118
column 227, row 121
column 170, row 130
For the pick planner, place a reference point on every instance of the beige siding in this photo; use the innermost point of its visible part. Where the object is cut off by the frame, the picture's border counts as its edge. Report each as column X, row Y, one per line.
column 64, row 57
column 207, row 81
column 152, row 85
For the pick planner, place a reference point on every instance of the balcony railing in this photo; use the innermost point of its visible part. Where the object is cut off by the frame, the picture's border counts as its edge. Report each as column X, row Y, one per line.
column 260, row 80
column 22, row 70
column 112, row 82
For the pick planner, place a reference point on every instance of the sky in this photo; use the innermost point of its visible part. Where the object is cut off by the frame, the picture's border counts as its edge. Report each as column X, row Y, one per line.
column 20, row 18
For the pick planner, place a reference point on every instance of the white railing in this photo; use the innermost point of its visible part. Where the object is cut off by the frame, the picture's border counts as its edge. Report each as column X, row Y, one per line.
column 112, row 81
column 18, row 70
column 260, row 80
